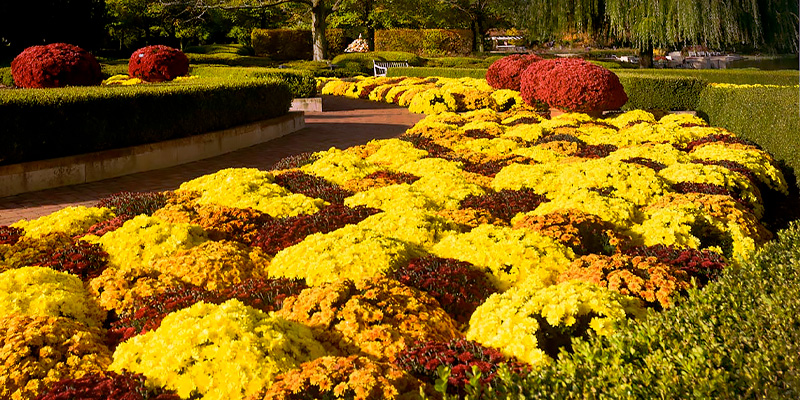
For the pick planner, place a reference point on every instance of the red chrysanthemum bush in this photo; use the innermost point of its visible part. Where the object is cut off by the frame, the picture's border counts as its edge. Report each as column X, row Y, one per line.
column 158, row 64
column 458, row 286
column 264, row 294
column 28, row 251
column 572, row 85
column 312, row 186
column 134, row 203
column 460, row 355
column 652, row 164
column 86, row 260
column 505, row 204
column 55, row 65
column 106, row 386
column 294, row 161
column 10, row 235
column 704, row 265
column 506, row 72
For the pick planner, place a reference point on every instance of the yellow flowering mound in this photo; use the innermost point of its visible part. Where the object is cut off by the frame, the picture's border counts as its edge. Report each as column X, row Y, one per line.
column 416, row 227
column 349, row 252
column 716, row 175
column 250, row 187
column 759, row 162
column 376, row 317
column 394, row 153
column 647, row 279
column 532, row 323
column 513, row 255
column 41, row 291
column 215, row 265
column 27, row 251
column 219, row 352
column 354, row 377
column 117, row 288
column 70, row 220
column 36, row 351
column 393, row 198
column 339, row 167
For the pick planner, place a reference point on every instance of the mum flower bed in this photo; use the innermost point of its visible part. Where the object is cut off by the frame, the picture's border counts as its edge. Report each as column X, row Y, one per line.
column 403, row 268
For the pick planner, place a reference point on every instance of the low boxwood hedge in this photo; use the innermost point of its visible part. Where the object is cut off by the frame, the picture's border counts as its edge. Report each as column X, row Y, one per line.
column 738, row 338
column 301, row 82
column 661, row 92
column 768, row 116
column 47, row 123
column 362, row 62
column 734, row 76
column 478, row 73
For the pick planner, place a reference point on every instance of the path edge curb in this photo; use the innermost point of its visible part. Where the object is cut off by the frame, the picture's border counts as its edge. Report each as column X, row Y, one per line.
column 72, row 170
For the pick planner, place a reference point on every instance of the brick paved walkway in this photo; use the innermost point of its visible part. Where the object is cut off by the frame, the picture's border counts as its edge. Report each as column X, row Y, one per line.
column 344, row 123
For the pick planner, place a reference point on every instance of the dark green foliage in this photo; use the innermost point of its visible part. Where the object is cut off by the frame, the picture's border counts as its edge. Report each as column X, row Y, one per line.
column 735, row 76
column 282, row 44
column 738, row 338
column 6, row 79
column 460, row 62
column 767, row 116
column 661, row 92
column 432, row 42
column 337, row 41
column 47, row 123
column 478, row 73
column 301, row 83
column 362, row 62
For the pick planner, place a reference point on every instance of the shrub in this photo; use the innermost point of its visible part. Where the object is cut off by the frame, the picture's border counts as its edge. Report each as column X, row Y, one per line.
column 55, row 65
column 301, row 83
column 647, row 92
column 572, row 85
column 506, row 72
column 10, row 235
column 424, row 72
column 106, row 386
column 158, row 63
column 505, row 204
column 459, row 286
column 459, row 62
column 6, row 77
column 767, row 116
column 312, row 186
column 86, row 260
column 282, row 44
column 364, row 60
column 337, row 41
column 425, row 41
column 134, row 203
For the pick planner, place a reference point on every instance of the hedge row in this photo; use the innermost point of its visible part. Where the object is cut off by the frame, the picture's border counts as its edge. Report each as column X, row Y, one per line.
column 434, row 42
column 478, row 73
column 737, row 338
column 734, row 76
column 6, row 78
column 767, row 116
column 293, row 44
column 48, row 123
column 301, row 82
column 362, row 62
column 661, row 92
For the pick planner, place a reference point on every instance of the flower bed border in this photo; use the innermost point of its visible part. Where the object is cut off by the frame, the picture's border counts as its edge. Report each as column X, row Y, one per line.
column 71, row 170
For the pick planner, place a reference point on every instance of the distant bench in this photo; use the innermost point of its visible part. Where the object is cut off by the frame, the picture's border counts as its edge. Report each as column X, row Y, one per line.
column 379, row 68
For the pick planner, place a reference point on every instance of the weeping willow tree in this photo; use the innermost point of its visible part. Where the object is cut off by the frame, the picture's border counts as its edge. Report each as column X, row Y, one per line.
column 772, row 24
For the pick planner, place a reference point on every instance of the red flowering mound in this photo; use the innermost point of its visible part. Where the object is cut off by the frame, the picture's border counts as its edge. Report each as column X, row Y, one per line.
column 393, row 177
column 460, row 355
column 705, row 265
column 505, row 204
column 9, row 235
column 492, row 167
column 86, row 260
column 312, row 186
column 731, row 165
column 281, row 233
column 109, row 225
column 134, row 203
column 158, row 64
column 652, row 164
column 572, row 85
column 459, row 286
column 107, row 386
column 427, row 144
column 506, row 72
column 727, row 139
column 55, row 65
column 264, row 294
column 295, row 161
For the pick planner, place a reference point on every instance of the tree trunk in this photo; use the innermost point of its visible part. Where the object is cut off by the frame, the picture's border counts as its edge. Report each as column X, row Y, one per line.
column 318, row 30
column 477, row 25
column 646, row 56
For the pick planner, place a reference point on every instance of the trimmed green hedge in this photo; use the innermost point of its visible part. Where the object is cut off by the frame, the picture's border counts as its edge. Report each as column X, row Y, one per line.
column 661, row 92
column 460, row 62
column 282, row 44
column 6, row 78
column 735, row 76
column 430, row 42
column 301, row 82
column 767, row 116
column 47, row 123
column 738, row 338
column 478, row 73
column 362, row 62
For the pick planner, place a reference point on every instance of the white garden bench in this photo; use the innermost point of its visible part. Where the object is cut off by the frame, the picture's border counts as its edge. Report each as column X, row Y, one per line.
column 379, row 68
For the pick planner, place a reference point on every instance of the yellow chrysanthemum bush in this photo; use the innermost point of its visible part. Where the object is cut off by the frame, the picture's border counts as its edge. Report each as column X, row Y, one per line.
column 354, row 377
column 433, row 101
column 349, row 252
column 416, row 227
column 250, row 187
column 339, row 166
column 26, row 251
column 36, row 351
column 376, row 318
column 533, row 322
column 226, row 351
column 513, row 255
column 70, row 220
column 760, row 163
column 41, row 291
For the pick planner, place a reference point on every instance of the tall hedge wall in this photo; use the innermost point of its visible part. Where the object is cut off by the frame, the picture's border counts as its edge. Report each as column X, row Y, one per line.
column 427, row 42
column 48, row 123
column 293, row 44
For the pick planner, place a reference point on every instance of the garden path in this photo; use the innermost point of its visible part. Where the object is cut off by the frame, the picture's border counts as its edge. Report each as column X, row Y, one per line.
column 344, row 123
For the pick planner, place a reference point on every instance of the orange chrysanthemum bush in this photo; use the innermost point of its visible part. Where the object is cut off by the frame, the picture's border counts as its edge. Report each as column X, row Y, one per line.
column 703, row 265
column 376, row 317
column 158, row 64
column 572, row 85
column 353, row 377
column 106, row 386
column 36, row 351
column 506, row 72
column 656, row 283
column 583, row 233
column 55, row 65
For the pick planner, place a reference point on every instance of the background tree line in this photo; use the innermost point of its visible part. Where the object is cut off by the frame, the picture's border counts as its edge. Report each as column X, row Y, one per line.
column 123, row 25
